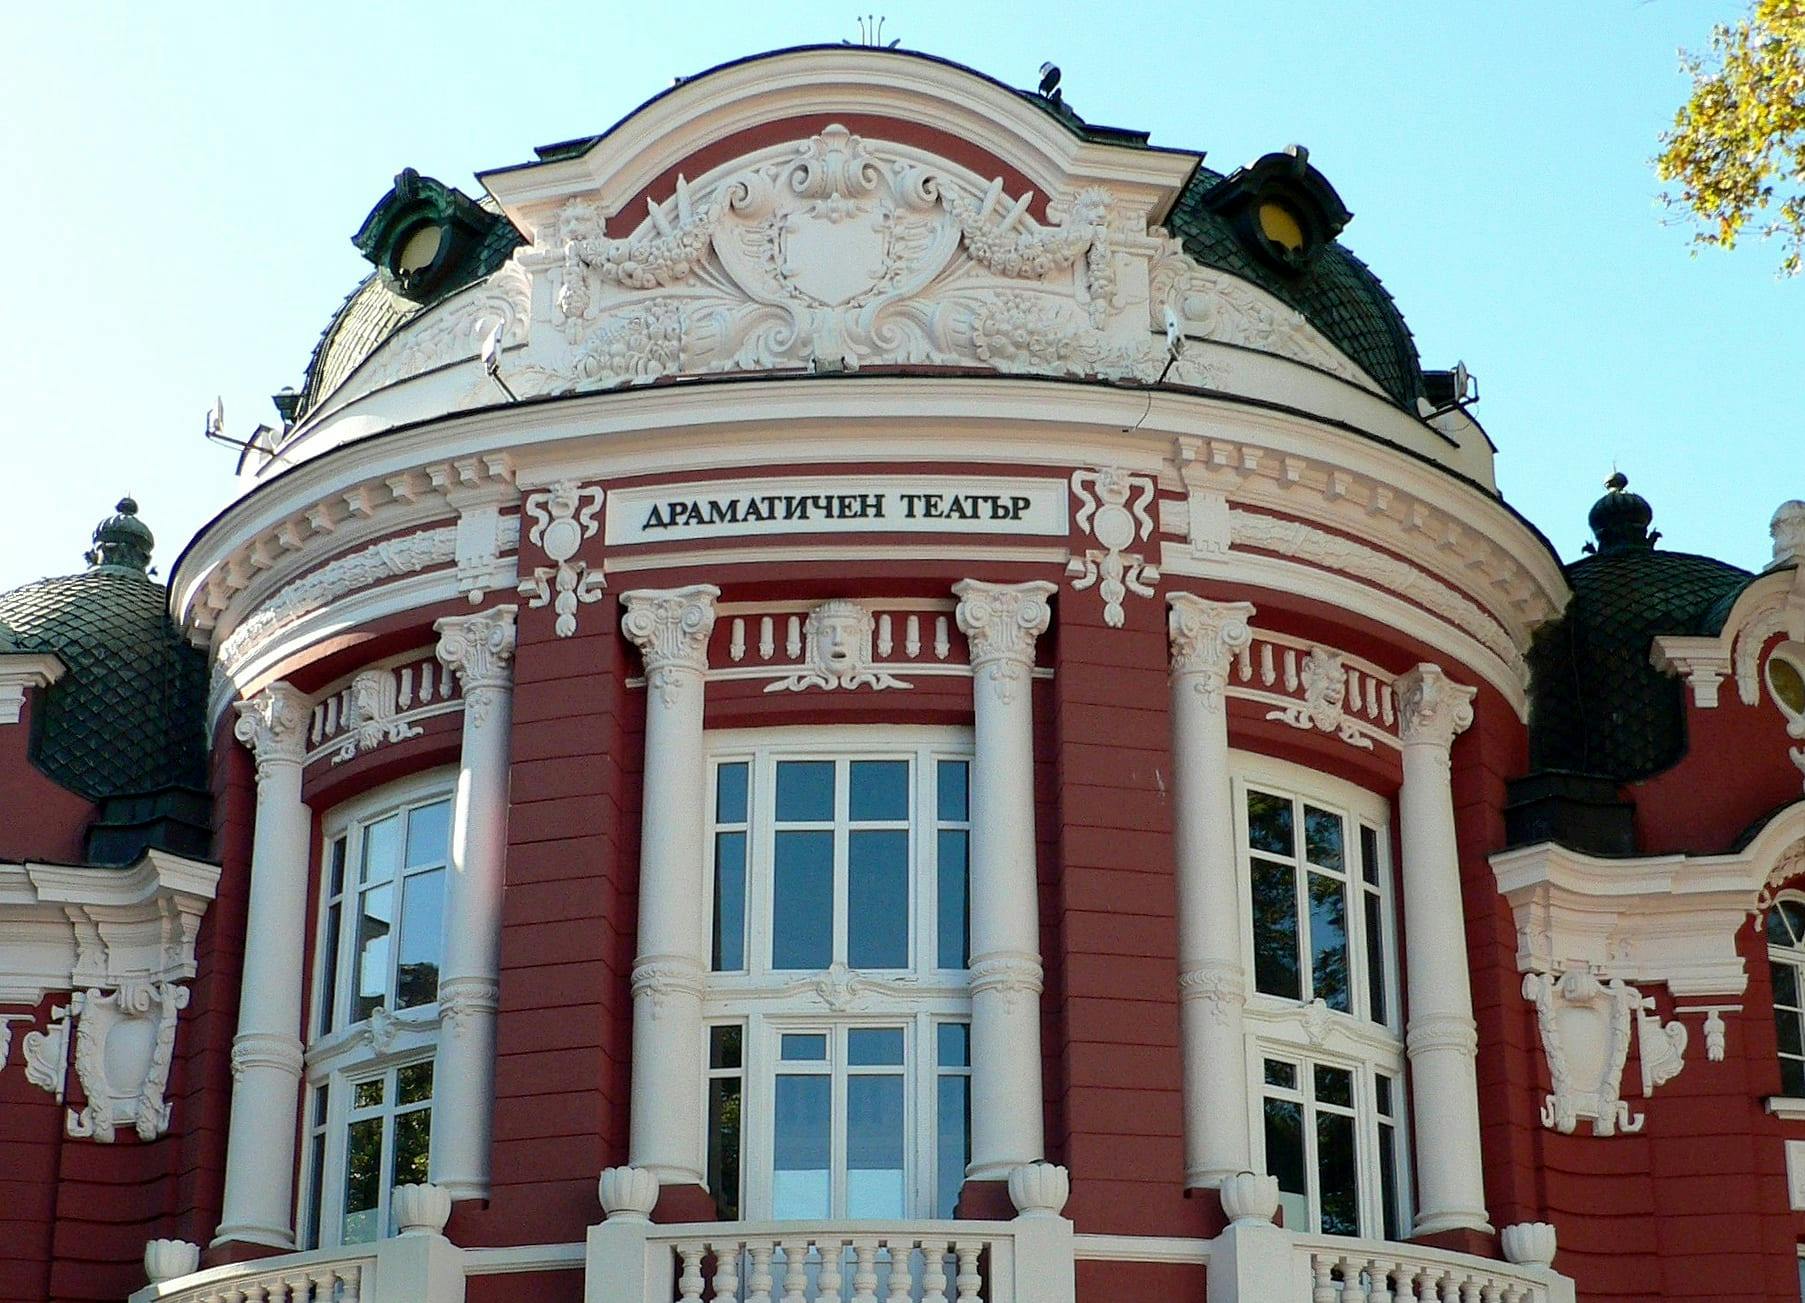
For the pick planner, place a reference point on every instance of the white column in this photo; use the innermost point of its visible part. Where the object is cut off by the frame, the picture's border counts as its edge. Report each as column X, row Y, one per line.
column 1001, row 621
column 1212, row 971
column 1440, row 1036
column 266, row 1052
column 480, row 650
column 670, row 966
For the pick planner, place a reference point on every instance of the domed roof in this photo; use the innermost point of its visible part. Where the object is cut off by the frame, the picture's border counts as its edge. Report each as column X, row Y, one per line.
column 127, row 714
column 1597, row 704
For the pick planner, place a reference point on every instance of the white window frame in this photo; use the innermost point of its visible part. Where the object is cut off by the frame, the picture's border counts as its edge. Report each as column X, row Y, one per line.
column 767, row 1002
column 348, row 1053
column 1307, row 1033
column 1794, row 958
column 321, row 1189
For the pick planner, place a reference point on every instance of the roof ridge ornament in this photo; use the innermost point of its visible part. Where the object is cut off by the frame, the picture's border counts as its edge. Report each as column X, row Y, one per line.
column 121, row 541
column 1620, row 519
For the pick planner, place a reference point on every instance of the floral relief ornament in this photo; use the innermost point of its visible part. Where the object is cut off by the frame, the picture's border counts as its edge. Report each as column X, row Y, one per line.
column 479, row 649
column 1204, row 636
column 1114, row 511
column 1002, row 622
column 564, row 517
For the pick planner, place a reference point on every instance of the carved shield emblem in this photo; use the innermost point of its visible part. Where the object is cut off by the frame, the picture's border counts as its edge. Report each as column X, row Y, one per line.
column 835, row 251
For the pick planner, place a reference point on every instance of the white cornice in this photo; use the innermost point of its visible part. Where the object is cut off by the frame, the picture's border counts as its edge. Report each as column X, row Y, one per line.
column 20, row 671
column 845, row 80
column 1659, row 918
column 64, row 927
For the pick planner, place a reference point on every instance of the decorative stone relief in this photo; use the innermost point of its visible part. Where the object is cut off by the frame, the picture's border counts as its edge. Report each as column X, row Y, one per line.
column 1001, row 622
column 1017, row 977
column 124, row 1041
column 462, row 999
column 273, row 724
column 839, row 636
column 1432, row 708
column 452, row 331
column 47, row 1053
column 1790, row 864
column 1585, row 1028
column 671, row 627
column 382, row 704
column 834, row 251
column 565, row 516
column 6, row 1033
column 1221, row 987
column 1316, row 688
column 840, row 989
column 1323, row 681
column 384, row 1025
column 660, row 982
column 1204, row 637
column 371, row 715
column 1109, row 516
column 479, row 649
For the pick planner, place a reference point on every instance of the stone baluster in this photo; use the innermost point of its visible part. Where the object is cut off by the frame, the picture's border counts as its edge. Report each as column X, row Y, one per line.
column 671, row 628
column 479, row 649
column 1212, row 972
column 1440, row 1036
column 1001, row 622
column 266, row 1052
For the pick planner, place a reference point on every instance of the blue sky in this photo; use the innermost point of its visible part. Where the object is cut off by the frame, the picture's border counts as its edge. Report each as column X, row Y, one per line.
column 182, row 182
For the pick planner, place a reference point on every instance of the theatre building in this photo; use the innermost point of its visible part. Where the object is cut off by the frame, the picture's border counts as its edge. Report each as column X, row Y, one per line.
column 861, row 689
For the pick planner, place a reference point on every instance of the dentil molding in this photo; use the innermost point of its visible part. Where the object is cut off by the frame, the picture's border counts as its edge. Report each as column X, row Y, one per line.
column 121, row 943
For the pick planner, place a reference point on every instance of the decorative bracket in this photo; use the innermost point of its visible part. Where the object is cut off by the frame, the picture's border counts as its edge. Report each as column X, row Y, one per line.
column 1585, row 1026
column 565, row 516
column 1110, row 517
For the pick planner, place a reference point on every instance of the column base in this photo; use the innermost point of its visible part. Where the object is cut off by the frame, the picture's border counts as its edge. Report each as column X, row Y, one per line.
column 685, row 1203
column 1461, row 1239
column 984, row 1201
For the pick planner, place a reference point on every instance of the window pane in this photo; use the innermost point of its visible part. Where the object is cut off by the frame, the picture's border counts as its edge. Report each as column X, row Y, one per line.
column 1328, row 942
column 413, row 1146
column 1786, row 984
column 1322, row 837
column 805, row 791
column 1334, row 1085
column 954, row 1044
column 367, row 1094
column 1269, row 823
column 316, row 1181
column 799, row 1179
column 802, row 907
column 1338, row 1188
column 1369, row 854
column 724, row 1046
column 952, row 1140
column 952, row 904
column 413, row 1083
column 335, row 865
column 1280, row 1073
column 417, row 970
column 429, row 834
column 1776, row 929
column 1786, row 1023
column 880, row 790
column 382, row 849
column 373, row 928
column 724, row 1144
column 804, row 1047
column 1285, row 1160
column 1382, row 1092
column 1795, row 918
column 1275, row 930
column 363, row 1181
column 953, row 803
column 1377, row 1003
column 1388, row 1178
column 730, row 793
column 877, row 910
column 329, row 969
column 874, row 1045
column 874, row 1146
column 729, row 902
column 1792, row 1078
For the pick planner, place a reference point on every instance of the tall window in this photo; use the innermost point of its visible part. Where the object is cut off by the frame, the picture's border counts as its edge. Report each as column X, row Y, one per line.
column 383, row 861
column 1325, row 1021
column 838, row 1052
column 1786, row 963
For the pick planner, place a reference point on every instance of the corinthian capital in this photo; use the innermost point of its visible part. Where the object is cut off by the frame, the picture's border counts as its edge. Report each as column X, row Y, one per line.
column 1205, row 636
column 478, row 648
column 670, row 626
column 1432, row 708
column 1003, row 620
column 273, row 724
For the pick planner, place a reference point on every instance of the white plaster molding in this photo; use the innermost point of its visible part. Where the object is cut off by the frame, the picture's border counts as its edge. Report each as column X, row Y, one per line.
column 479, row 649
column 1663, row 918
column 564, row 516
column 840, row 989
column 1585, row 1028
column 121, row 941
column 20, row 671
column 1324, row 683
column 1795, row 1173
column 372, row 715
column 1432, row 708
column 1113, row 510
column 1205, row 637
column 1771, row 606
column 273, row 724
column 1787, row 1108
column 1002, row 622
column 380, row 704
column 1316, row 688
column 1704, row 662
column 838, row 635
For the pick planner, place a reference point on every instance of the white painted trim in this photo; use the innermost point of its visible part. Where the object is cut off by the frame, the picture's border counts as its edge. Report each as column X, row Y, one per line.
column 829, row 550
column 511, row 1258
column 20, row 671
column 1091, row 1247
column 1788, row 1108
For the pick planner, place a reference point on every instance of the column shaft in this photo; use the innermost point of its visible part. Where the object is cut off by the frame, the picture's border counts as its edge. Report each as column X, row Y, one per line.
column 1212, row 971
column 1002, row 622
column 480, row 649
column 266, row 1052
column 1440, row 1036
column 671, row 628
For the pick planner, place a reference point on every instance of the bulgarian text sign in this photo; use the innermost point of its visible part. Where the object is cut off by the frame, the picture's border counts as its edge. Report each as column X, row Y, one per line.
column 868, row 504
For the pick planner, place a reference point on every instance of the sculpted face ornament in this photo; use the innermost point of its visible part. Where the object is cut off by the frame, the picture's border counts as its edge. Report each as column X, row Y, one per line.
column 839, row 634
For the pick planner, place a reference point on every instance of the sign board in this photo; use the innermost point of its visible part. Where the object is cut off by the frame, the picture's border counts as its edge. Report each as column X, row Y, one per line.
column 822, row 504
